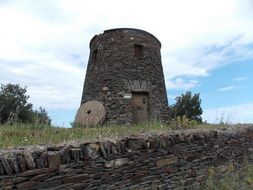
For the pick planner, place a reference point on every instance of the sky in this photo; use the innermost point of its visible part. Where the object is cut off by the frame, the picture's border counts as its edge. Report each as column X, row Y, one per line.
column 207, row 48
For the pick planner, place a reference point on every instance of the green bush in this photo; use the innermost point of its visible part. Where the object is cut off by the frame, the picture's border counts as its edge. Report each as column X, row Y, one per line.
column 15, row 108
column 187, row 105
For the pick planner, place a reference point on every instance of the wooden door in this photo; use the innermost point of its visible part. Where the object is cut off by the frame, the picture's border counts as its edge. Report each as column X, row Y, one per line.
column 140, row 107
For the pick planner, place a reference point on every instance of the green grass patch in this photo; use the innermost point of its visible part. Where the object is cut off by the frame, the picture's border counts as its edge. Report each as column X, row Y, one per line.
column 26, row 134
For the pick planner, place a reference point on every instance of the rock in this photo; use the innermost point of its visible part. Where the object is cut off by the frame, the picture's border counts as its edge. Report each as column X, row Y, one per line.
column 21, row 163
column 65, row 154
column 116, row 162
column 105, row 89
column 54, row 159
column 36, row 171
column 114, row 149
column 103, row 151
column 135, row 144
column 92, row 151
column 7, row 166
column 42, row 177
column 161, row 187
column 76, row 153
column 167, row 161
column 38, row 185
column 14, row 163
column 122, row 147
column 198, row 136
column 76, row 178
column 43, row 159
column 90, row 113
column 29, row 160
column 27, row 185
column 16, row 180
column 1, row 168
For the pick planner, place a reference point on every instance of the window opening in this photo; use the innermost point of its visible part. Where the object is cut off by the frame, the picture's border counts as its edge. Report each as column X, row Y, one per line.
column 138, row 50
column 94, row 54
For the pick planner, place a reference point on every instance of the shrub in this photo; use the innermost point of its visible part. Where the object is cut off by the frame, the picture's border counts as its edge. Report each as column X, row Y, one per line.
column 15, row 108
column 187, row 105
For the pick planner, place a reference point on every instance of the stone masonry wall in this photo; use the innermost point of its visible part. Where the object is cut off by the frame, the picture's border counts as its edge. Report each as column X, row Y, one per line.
column 173, row 160
column 113, row 72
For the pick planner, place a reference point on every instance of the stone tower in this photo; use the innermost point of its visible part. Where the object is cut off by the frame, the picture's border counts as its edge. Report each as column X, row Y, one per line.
column 124, row 81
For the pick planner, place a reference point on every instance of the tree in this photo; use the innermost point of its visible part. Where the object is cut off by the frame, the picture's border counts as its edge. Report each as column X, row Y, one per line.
column 41, row 117
column 14, row 106
column 187, row 105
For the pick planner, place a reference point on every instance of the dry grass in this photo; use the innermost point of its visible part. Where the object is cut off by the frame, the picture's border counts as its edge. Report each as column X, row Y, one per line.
column 231, row 178
column 25, row 134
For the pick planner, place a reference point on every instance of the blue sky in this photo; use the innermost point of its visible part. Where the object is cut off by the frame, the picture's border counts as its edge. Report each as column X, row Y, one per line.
column 207, row 48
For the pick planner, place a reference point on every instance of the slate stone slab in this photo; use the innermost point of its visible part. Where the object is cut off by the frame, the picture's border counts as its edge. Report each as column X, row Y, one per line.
column 37, row 171
column 54, row 159
column 96, row 165
column 7, row 166
column 65, row 154
column 1, row 168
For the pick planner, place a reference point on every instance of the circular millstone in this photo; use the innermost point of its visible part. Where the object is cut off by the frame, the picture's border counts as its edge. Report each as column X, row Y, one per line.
column 90, row 113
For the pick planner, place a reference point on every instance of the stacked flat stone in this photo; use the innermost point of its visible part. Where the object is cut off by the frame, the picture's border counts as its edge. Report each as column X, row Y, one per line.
column 159, row 161
column 114, row 72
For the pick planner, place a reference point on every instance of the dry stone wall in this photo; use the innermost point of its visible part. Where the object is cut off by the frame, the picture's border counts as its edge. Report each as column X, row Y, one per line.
column 172, row 160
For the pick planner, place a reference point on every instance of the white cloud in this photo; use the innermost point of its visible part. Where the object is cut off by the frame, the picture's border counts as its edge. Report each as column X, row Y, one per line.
column 240, row 78
column 180, row 83
column 173, row 97
column 231, row 114
column 225, row 89
column 45, row 44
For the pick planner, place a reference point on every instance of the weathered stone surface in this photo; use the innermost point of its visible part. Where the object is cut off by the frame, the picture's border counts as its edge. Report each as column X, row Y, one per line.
column 21, row 162
column 62, row 186
column 167, row 161
column 116, row 162
column 76, row 178
column 16, row 180
column 27, row 185
column 4, row 177
column 103, row 150
column 1, row 168
column 114, row 73
column 54, row 159
column 14, row 164
column 76, row 153
column 37, row 171
column 92, row 151
column 7, row 166
column 40, row 159
column 29, row 160
column 147, row 161
column 38, row 185
column 65, row 154
column 135, row 144
column 42, row 177
column 91, row 113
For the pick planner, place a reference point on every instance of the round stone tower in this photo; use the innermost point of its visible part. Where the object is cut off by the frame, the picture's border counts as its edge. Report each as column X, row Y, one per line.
column 124, row 81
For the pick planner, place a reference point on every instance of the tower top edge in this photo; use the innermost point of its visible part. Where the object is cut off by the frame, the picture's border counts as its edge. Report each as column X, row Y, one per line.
column 127, row 29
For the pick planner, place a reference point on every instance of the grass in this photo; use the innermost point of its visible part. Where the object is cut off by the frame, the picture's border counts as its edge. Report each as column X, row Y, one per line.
column 27, row 134
column 231, row 179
